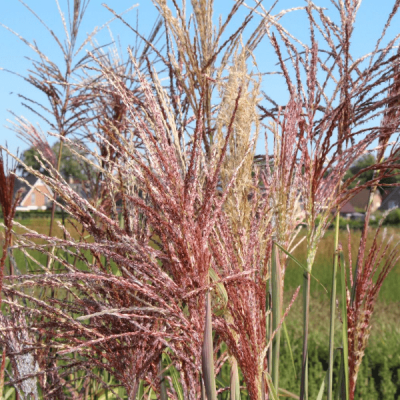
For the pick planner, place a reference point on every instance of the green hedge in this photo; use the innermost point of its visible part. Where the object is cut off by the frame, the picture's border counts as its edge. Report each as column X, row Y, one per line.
column 35, row 214
column 378, row 377
column 393, row 219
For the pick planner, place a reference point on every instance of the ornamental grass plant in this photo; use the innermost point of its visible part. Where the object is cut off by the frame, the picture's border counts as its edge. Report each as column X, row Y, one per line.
column 171, row 269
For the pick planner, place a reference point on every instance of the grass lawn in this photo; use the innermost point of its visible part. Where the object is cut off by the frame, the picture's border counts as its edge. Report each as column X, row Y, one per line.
column 322, row 269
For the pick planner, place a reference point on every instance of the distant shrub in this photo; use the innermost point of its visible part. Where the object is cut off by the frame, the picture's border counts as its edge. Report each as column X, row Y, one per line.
column 352, row 223
column 35, row 214
column 393, row 218
column 379, row 375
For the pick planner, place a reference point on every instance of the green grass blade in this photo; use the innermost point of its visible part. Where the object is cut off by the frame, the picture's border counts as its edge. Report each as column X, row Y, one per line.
column 140, row 393
column 322, row 388
column 234, row 383
column 271, row 387
column 223, row 294
column 290, row 348
column 326, row 379
column 106, row 380
column 203, row 390
column 344, row 330
column 340, row 386
column 207, row 354
column 2, row 368
column 332, row 311
column 286, row 393
column 174, row 376
column 163, row 389
column 276, row 286
column 8, row 394
column 268, row 327
column 306, row 317
column 293, row 258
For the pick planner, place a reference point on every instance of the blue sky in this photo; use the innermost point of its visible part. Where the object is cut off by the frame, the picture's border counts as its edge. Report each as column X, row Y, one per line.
column 371, row 18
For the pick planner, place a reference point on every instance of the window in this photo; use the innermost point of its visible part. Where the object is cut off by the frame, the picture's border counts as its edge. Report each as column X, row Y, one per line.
column 392, row 204
column 33, row 198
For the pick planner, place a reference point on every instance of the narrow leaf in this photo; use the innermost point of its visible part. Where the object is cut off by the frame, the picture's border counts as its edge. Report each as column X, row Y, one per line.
column 344, row 331
column 340, row 381
column 140, row 391
column 300, row 265
column 325, row 380
column 235, row 384
column 332, row 311
column 9, row 393
column 163, row 389
column 2, row 367
column 276, row 285
column 271, row 388
column 223, row 294
column 290, row 348
column 207, row 354
column 286, row 393
column 175, row 376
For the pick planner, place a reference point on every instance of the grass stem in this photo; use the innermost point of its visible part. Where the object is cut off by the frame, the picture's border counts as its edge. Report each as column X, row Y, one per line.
column 235, row 383
column 306, row 317
column 332, row 310
column 163, row 389
column 276, row 289
column 344, row 333
column 208, row 354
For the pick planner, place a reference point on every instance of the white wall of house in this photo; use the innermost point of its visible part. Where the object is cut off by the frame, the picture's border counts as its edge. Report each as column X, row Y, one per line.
column 37, row 198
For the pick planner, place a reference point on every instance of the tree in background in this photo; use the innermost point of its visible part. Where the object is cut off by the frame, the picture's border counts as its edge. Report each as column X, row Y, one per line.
column 363, row 162
column 71, row 166
column 364, row 169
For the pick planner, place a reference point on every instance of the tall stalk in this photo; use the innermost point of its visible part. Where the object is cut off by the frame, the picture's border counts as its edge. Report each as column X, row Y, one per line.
column 333, row 307
column 276, row 289
column 163, row 388
column 344, row 333
column 208, row 354
column 235, row 381
column 306, row 317
column 339, row 388
column 269, row 335
column 53, row 205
